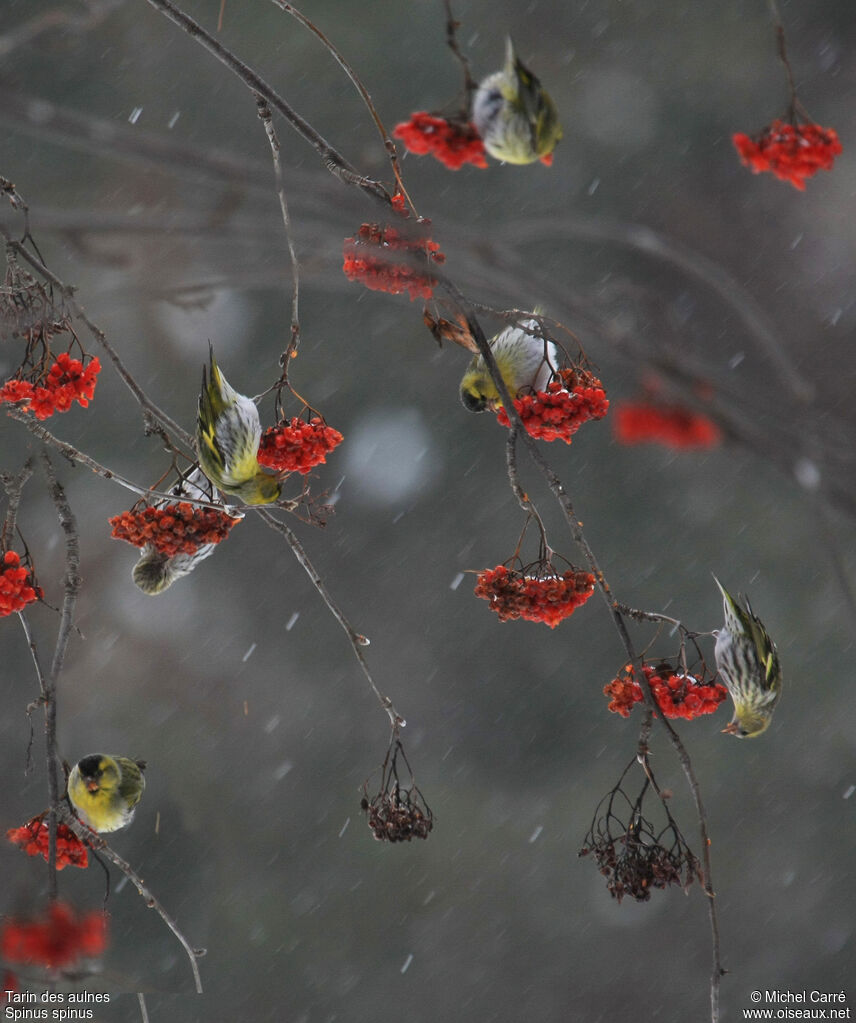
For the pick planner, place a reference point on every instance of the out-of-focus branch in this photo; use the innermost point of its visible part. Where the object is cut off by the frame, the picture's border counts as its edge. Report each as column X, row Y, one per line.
column 58, row 18
column 333, row 160
column 646, row 240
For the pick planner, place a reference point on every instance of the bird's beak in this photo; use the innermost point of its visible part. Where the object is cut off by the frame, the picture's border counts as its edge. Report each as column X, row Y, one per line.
column 92, row 785
column 732, row 728
column 492, row 404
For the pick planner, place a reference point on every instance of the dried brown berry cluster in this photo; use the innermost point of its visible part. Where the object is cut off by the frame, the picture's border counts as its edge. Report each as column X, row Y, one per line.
column 635, row 863
column 397, row 812
column 631, row 855
column 399, row 815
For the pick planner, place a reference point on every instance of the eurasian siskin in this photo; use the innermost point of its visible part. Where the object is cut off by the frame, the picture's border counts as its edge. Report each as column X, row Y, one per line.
column 526, row 363
column 749, row 666
column 104, row 790
column 228, row 431
column 156, row 571
column 514, row 115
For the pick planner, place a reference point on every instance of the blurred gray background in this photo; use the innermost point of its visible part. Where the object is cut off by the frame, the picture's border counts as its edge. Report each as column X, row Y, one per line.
column 151, row 190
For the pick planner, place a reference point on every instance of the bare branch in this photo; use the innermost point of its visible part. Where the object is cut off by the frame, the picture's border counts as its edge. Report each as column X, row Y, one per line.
column 66, row 625
column 13, row 485
column 99, row 335
column 388, row 144
column 357, row 640
column 97, row 844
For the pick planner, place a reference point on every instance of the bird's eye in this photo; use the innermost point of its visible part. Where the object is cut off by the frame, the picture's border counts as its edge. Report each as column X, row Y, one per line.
column 473, row 402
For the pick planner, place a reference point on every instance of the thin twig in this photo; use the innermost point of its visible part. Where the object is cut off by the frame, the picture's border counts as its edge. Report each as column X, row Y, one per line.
column 333, row 160
column 97, row 844
column 452, row 26
column 13, row 485
column 523, row 498
column 357, row 640
column 40, row 676
column 782, row 47
column 388, row 144
column 141, row 998
column 68, row 293
column 34, row 652
column 66, row 626
column 575, row 526
column 74, row 455
column 291, row 347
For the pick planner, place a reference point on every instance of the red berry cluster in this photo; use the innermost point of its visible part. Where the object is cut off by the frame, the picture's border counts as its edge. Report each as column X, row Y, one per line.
column 297, row 446
column 33, row 838
column 793, row 152
column 674, row 426
column 17, row 587
column 367, row 256
column 66, row 382
column 678, row 695
column 58, row 940
column 453, row 143
column 558, row 412
column 173, row 528
column 537, row 598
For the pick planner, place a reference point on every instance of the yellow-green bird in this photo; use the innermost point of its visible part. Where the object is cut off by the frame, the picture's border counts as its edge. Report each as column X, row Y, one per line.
column 514, row 115
column 526, row 363
column 749, row 666
column 228, row 431
column 156, row 571
column 104, row 790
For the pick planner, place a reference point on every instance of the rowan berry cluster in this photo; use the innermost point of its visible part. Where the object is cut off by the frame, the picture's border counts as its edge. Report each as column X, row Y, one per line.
column 673, row 426
column 793, row 152
column 17, row 586
column 453, row 142
column 58, row 940
column 558, row 412
column 390, row 258
column 297, row 446
column 66, row 381
column 543, row 596
column 33, row 839
column 173, row 528
column 678, row 695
